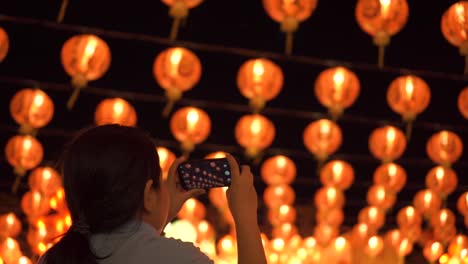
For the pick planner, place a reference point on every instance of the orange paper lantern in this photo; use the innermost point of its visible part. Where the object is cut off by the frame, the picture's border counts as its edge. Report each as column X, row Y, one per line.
column 337, row 89
column 166, row 158
column 443, row 218
column 463, row 102
column 283, row 214
column 361, row 233
column 205, row 231
column 427, row 202
column 190, row 126
column 328, row 198
column 445, row 234
column 408, row 216
column 10, row 250
column 433, row 250
column 372, row 216
column 454, row 24
column 390, row 175
column 85, row 58
column 115, row 111
column 179, row 9
column 332, row 217
column 289, row 14
column 324, row 234
column 387, row 143
column 278, row 170
column 284, row 231
column 32, row 109
column 442, row 180
column 192, row 210
column 34, row 204
column 380, row 197
column 374, row 246
column 382, row 19
column 338, row 174
column 23, row 153
column 408, row 96
column 259, row 80
column 444, row 148
column 45, row 180
column 4, row 44
column 176, row 70
column 322, row 138
column 462, row 204
column 254, row 133
column 10, row 225
column 277, row 195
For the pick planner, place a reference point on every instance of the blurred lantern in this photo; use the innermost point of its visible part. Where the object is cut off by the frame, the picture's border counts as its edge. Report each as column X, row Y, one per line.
column 277, row 195
column 445, row 234
column 115, row 111
column 413, row 233
column 444, row 148
column 179, row 10
column 34, row 204
column 324, row 234
column 85, row 58
column 205, row 231
column 443, row 218
column 10, row 250
column 190, row 126
column 337, row 89
column 45, row 180
column 390, row 175
column 284, row 231
column 408, row 216
column 402, row 245
column 192, row 210
column 327, row 198
column 218, row 198
column 255, row 133
column 374, row 246
column 176, row 70
column 259, row 80
column 442, row 180
column 333, row 217
column 372, row 216
column 380, row 197
column 10, row 225
column 278, row 170
column 338, row 174
column 166, row 158
column 181, row 229
column 462, row 204
column 216, row 155
column 433, row 250
column 322, row 138
column 427, row 202
column 459, row 241
column 387, row 143
column 408, row 96
column 23, row 153
column 283, row 214
column 24, row 260
column 289, row 14
column 227, row 246
column 463, row 102
column 454, row 23
column 32, row 109
column 382, row 19
column 360, row 234
column 4, row 44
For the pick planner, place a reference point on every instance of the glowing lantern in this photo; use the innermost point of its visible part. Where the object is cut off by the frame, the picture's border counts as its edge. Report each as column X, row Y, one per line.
column 427, row 202
column 277, row 195
column 32, row 109
column 85, row 58
column 10, row 225
column 181, row 229
column 283, row 214
column 338, row 174
column 372, row 216
column 402, row 245
column 34, row 204
column 254, row 133
column 454, row 26
column 408, row 95
column 327, row 198
column 387, row 143
column 462, row 204
column 176, row 70
column 380, row 197
column 259, row 80
column 278, row 170
column 391, row 176
column 408, row 216
column 322, row 138
column 4, row 44
column 459, row 241
column 227, row 246
column 374, row 246
column 24, row 260
column 332, row 217
column 115, row 111
column 444, row 148
column 382, row 19
column 284, row 231
column 166, row 158
column 10, row 250
column 340, row 245
column 445, row 234
column 218, row 198
column 442, row 218
column 289, row 14
column 45, row 180
column 433, row 250
column 337, row 89
column 205, row 231
column 179, row 10
column 325, row 234
column 442, row 180
column 190, row 126
column 463, row 102
column 360, row 234
column 192, row 210
column 23, row 153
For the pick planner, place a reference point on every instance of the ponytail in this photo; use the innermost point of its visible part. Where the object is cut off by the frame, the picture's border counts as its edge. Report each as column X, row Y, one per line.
column 73, row 248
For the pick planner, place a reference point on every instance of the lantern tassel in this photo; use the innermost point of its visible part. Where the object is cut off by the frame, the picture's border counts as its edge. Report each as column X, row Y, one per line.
column 174, row 28
column 409, row 130
column 168, row 108
column 71, row 102
column 20, row 172
column 289, row 43
column 63, row 8
column 381, row 56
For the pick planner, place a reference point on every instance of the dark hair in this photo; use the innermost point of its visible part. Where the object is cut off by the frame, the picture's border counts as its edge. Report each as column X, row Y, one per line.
column 105, row 170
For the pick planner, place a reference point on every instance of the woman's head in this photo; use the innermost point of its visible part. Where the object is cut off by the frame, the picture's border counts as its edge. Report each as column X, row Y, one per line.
column 109, row 173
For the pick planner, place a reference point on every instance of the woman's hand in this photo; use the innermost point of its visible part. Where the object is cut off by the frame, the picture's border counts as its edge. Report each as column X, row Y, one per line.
column 177, row 195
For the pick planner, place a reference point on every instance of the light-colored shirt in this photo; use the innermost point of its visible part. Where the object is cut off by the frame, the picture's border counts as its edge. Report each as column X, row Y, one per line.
column 138, row 242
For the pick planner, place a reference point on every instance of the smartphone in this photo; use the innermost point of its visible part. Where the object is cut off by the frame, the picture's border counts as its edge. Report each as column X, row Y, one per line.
column 204, row 174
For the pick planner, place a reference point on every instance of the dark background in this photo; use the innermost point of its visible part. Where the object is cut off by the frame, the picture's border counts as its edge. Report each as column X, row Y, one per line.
column 224, row 34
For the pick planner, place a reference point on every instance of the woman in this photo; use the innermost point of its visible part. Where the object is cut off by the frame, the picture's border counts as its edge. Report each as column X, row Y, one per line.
column 119, row 204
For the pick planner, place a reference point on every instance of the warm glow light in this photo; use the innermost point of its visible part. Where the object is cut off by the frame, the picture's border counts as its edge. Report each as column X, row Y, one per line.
column 390, row 137
column 325, row 129
column 38, row 100
column 284, row 209
column 89, row 51
column 255, row 126
column 460, row 10
column 338, row 80
column 337, row 168
column 42, row 247
column 10, row 243
column 258, row 70
column 192, row 119
column 24, row 260
column 310, row 242
column 443, row 259
column 278, row 244
column 183, row 230
column 392, row 170
column 385, row 4
column 190, row 204
column 27, row 143
column 118, row 107
column 281, row 162
column 409, row 88
column 440, row 173
column 10, row 219
column 331, row 193
column 340, row 244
